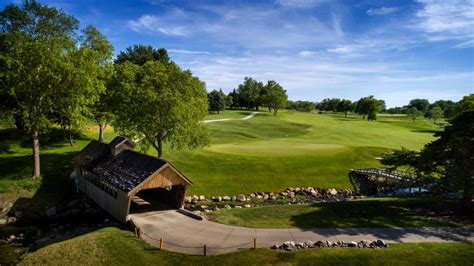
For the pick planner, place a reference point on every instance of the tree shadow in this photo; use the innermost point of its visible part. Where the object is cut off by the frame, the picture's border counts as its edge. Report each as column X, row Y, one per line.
column 428, row 131
column 390, row 220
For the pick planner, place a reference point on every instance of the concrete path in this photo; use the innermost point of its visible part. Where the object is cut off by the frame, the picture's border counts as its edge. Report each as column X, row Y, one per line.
column 187, row 235
column 228, row 119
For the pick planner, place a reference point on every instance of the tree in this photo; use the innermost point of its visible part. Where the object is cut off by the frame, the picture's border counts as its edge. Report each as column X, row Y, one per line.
column 413, row 113
column 140, row 54
column 217, row 101
column 435, row 113
column 448, row 160
column 249, row 92
column 465, row 104
column 447, row 106
column 332, row 104
column 368, row 106
column 275, row 97
column 421, row 104
column 101, row 110
column 229, row 101
column 344, row 106
column 160, row 104
column 36, row 43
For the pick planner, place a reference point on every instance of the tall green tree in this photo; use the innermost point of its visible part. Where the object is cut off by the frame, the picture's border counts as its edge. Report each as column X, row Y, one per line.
column 368, row 106
column 217, row 101
column 465, row 104
column 36, row 43
column 101, row 110
column 275, row 97
column 421, row 104
column 140, row 54
column 435, row 113
column 344, row 106
column 249, row 91
column 414, row 113
column 160, row 104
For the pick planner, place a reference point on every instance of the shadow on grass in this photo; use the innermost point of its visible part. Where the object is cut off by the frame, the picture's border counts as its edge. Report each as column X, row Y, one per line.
column 429, row 131
column 403, row 217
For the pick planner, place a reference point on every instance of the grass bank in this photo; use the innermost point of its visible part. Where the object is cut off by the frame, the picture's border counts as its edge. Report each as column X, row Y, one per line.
column 373, row 212
column 111, row 246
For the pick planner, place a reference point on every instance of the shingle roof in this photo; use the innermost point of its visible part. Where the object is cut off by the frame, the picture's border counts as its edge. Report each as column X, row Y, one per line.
column 127, row 170
column 119, row 140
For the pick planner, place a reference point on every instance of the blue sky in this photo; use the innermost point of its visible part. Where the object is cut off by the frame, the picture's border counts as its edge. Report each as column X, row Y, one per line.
column 395, row 50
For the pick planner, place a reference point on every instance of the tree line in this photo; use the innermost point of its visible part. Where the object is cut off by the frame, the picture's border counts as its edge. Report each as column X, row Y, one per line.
column 251, row 94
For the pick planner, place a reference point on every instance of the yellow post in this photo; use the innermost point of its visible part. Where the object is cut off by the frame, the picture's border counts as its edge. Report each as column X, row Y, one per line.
column 161, row 243
column 254, row 243
column 205, row 251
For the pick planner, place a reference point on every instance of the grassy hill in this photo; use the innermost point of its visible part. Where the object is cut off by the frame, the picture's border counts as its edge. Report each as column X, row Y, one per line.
column 268, row 153
column 265, row 153
column 111, row 246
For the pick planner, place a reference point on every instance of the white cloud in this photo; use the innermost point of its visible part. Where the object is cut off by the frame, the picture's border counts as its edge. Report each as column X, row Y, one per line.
column 447, row 20
column 299, row 3
column 181, row 51
column 382, row 11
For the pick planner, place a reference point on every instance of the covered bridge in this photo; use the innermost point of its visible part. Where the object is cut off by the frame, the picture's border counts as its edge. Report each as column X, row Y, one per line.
column 123, row 181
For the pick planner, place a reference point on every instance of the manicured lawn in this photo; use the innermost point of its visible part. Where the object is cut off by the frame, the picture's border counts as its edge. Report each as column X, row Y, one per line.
column 268, row 153
column 373, row 212
column 111, row 246
column 265, row 153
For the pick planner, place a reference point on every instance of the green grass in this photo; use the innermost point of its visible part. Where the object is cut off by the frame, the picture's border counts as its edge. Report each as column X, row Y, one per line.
column 268, row 153
column 265, row 153
column 229, row 114
column 110, row 246
column 373, row 212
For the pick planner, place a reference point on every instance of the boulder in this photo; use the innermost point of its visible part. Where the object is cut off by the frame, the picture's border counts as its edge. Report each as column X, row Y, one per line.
column 275, row 247
column 252, row 195
column 234, row 198
column 201, row 198
column 227, row 207
column 321, row 244
column 352, row 244
column 226, row 198
column 309, row 243
column 380, row 243
column 241, row 198
column 273, row 197
column 238, row 207
column 248, row 206
column 332, row 192
column 266, row 196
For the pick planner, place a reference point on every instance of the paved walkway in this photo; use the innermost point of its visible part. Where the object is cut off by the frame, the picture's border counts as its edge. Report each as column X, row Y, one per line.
column 228, row 119
column 187, row 235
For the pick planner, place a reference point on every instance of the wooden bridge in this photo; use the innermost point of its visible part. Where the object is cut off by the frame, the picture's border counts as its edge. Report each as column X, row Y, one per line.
column 369, row 181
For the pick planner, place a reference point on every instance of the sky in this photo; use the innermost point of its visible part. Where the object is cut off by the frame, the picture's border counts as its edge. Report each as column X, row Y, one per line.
column 394, row 50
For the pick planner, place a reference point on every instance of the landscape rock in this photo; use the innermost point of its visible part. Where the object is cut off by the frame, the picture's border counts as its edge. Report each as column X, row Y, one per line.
column 226, row 198
column 201, row 198
column 320, row 244
column 352, row 244
column 233, row 198
column 241, row 197
column 247, row 206
column 332, row 191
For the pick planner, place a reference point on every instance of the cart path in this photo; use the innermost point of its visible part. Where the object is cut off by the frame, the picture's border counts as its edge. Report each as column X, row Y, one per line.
column 228, row 119
column 183, row 234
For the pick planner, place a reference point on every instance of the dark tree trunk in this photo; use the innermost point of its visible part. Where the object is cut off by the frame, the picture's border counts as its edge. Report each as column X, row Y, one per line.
column 159, row 148
column 363, row 116
column 36, row 157
column 269, row 109
column 101, row 132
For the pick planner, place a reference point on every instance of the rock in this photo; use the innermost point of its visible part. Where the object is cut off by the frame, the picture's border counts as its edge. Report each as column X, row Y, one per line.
column 380, row 243
column 321, row 244
column 364, row 243
column 289, row 243
column 291, row 194
column 188, row 199
column 11, row 220
column 3, row 221
column 238, row 207
column 352, row 244
column 259, row 197
column 297, row 190
column 273, row 197
column 51, row 211
column 234, row 198
column 328, row 244
column 275, row 247
column 194, row 198
column 290, row 189
column 299, row 245
column 309, row 243
column 241, row 198
column 201, row 198
column 207, row 211
column 227, row 207
column 252, row 195
column 226, row 198
column 332, row 192
column 248, row 206
column 266, row 197
column 12, row 237
column 204, row 207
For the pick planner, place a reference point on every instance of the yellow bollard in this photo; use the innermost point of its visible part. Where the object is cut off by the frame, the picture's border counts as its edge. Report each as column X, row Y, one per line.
column 161, row 243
